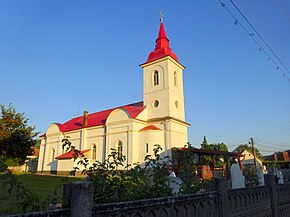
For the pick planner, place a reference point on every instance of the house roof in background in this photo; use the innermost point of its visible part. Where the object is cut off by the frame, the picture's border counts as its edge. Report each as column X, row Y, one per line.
column 279, row 156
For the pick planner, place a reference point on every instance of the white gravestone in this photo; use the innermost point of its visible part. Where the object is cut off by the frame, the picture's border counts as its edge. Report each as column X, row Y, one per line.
column 238, row 179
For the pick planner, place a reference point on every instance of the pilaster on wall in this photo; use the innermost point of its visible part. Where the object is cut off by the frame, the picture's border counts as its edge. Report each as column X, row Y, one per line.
column 83, row 139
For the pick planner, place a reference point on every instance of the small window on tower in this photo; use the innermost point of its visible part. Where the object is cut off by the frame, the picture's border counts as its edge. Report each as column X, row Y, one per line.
column 146, row 147
column 156, row 78
column 175, row 79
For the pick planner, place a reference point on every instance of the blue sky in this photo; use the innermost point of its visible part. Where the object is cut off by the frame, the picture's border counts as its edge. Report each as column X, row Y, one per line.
column 59, row 58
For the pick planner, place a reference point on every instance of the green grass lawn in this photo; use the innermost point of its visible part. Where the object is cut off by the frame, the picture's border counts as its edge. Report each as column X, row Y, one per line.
column 44, row 186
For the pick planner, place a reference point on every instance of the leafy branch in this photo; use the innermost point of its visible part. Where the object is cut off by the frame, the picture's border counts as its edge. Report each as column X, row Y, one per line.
column 116, row 181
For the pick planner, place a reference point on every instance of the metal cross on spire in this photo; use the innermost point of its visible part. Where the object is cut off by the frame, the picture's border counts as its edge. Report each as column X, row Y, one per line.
column 161, row 16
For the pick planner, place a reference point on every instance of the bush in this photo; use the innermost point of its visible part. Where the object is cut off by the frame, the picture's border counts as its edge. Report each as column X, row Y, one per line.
column 12, row 162
column 133, row 182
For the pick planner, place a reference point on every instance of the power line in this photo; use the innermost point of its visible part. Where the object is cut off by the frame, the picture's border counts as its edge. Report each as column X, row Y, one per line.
column 237, row 143
column 266, row 32
column 284, row 144
column 279, row 133
column 265, row 146
column 284, row 9
column 272, row 142
column 272, row 152
column 260, row 36
column 269, row 58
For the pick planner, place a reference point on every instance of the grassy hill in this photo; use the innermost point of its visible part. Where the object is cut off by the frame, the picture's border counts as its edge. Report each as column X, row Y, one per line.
column 44, row 186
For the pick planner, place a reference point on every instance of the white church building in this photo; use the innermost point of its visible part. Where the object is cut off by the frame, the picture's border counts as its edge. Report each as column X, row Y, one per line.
column 132, row 129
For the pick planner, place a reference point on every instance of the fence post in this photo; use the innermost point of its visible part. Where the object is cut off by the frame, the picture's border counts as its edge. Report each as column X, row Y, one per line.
column 270, row 181
column 78, row 196
column 66, row 195
column 221, row 187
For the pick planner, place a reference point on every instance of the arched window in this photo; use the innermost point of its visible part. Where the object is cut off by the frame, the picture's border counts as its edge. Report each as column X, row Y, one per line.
column 120, row 148
column 156, row 78
column 94, row 152
column 52, row 155
column 175, row 79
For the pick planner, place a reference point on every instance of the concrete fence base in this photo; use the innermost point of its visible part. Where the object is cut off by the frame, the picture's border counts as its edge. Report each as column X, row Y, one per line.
column 271, row 200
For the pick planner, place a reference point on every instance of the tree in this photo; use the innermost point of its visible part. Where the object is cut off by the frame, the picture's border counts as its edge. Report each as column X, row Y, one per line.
column 214, row 146
column 204, row 144
column 244, row 147
column 16, row 136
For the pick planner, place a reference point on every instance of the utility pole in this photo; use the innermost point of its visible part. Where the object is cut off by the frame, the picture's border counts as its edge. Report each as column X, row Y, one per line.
column 252, row 143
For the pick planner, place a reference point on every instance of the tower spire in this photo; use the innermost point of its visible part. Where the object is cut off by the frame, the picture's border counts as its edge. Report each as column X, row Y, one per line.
column 162, row 46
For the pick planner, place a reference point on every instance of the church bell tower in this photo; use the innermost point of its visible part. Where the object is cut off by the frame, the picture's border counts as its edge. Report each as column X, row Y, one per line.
column 162, row 81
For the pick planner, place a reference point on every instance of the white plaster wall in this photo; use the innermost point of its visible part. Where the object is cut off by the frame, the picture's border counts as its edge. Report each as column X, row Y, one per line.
column 117, row 133
column 119, row 128
column 52, row 129
column 143, row 115
column 166, row 92
column 118, row 115
column 95, row 135
column 136, row 141
column 74, row 137
column 127, row 131
column 46, row 164
column 41, row 155
column 52, row 141
column 65, row 165
column 152, row 137
column 177, row 134
column 99, row 142
column 95, row 131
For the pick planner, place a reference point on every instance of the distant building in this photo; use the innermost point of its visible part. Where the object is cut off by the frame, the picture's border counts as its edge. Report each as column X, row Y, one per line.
column 132, row 129
column 279, row 159
column 30, row 164
column 249, row 159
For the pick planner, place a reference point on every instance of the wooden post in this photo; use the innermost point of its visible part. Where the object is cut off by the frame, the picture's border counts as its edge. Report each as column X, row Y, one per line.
column 270, row 181
column 221, row 187
column 228, row 169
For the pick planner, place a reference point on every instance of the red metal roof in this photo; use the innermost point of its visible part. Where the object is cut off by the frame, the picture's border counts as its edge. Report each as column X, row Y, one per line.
column 99, row 118
column 162, row 47
column 69, row 155
column 150, row 127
